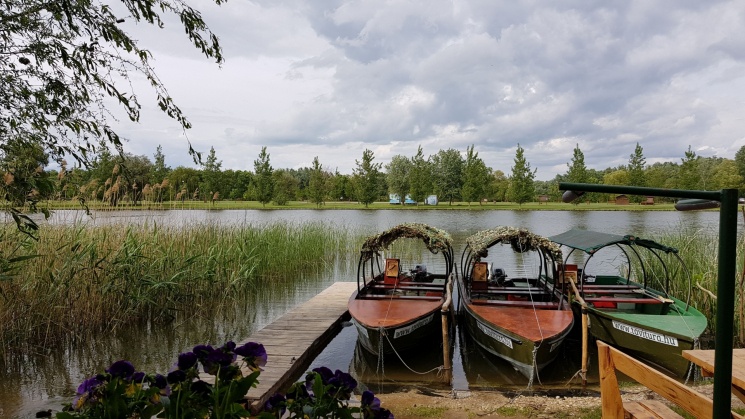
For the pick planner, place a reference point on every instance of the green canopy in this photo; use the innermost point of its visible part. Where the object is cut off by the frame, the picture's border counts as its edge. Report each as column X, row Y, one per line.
column 592, row 241
column 435, row 239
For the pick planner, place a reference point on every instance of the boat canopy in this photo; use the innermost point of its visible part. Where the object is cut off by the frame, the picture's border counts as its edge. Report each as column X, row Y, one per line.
column 592, row 241
column 435, row 239
column 519, row 238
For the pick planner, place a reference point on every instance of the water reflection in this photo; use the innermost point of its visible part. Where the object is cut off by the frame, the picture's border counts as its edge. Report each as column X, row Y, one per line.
column 49, row 376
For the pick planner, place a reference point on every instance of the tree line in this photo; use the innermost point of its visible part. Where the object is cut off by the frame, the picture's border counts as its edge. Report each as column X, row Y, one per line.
column 451, row 175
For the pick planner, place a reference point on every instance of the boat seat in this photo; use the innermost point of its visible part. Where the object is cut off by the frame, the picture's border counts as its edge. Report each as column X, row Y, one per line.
column 633, row 300
column 404, row 287
column 515, row 303
column 399, row 297
column 479, row 276
column 392, row 271
column 517, row 291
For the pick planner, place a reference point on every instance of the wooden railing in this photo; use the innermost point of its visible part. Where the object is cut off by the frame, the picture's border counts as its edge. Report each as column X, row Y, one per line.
column 690, row 400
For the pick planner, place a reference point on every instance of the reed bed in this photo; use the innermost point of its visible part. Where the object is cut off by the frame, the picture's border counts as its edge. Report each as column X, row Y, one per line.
column 699, row 251
column 80, row 280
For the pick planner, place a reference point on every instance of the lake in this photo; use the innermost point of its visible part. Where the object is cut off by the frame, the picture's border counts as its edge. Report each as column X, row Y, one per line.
column 49, row 377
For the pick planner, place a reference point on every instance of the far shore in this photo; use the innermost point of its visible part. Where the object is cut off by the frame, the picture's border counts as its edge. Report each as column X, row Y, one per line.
column 351, row 205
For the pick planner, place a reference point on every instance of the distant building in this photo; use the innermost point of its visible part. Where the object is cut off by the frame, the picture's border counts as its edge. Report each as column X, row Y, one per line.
column 542, row 199
column 393, row 199
column 622, row 200
column 431, row 200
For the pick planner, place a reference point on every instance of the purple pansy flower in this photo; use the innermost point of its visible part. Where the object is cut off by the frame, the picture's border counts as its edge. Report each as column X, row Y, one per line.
column 122, row 369
column 325, row 374
column 203, row 350
column 215, row 360
column 186, row 360
column 255, row 352
column 275, row 402
column 158, row 380
column 229, row 346
column 89, row 385
column 138, row 377
column 175, row 377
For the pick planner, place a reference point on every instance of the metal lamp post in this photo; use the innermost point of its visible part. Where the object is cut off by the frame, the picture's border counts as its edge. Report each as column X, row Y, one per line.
column 693, row 200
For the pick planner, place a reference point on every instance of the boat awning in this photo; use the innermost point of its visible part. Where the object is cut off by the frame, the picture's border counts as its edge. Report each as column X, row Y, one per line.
column 435, row 239
column 592, row 241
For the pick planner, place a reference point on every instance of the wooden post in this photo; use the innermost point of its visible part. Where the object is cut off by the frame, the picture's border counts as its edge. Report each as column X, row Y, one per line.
column 610, row 397
column 585, row 332
column 448, row 375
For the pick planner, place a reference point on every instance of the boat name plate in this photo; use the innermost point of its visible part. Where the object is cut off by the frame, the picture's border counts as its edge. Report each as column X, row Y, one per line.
column 414, row 326
column 646, row 334
column 506, row 341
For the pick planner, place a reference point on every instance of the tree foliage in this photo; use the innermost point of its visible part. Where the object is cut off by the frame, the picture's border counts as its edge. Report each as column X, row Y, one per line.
column 318, row 185
column 447, row 173
column 263, row 179
column 367, row 178
column 420, row 177
column 522, row 189
column 62, row 59
column 475, row 177
column 398, row 173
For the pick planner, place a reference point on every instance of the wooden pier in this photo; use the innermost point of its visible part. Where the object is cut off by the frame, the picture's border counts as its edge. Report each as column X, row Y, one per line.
column 294, row 340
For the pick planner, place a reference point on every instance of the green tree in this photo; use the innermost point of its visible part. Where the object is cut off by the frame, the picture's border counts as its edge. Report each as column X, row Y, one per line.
column 447, row 171
column 340, row 186
column 475, row 177
column 726, row 175
column 318, row 185
column 184, row 182
column 285, row 186
column 500, row 185
column 420, row 177
column 522, row 189
column 637, row 163
column 688, row 176
column 577, row 172
column 367, row 178
column 263, row 179
column 24, row 182
column 160, row 170
column 398, row 173
column 211, row 177
column 58, row 59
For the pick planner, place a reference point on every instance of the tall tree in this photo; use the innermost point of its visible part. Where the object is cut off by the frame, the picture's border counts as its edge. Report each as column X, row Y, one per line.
column 447, row 171
column 398, row 176
column 740, row 162
column 577, row 172
column 688, row 176
column 318, row 185
column 420, row 177
column 263, row 180
column 211, row 177
column 726, row 175
column 58, row 59
column 367, row 178
column 23, row 183
column 637, row 163
column 522, row 189
column 340, row 186
column 285, row 186
column 160, row 170
column 500, row 184
column 475, row 177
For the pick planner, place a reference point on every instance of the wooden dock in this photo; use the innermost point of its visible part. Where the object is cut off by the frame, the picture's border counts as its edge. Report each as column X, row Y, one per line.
column 294, row 340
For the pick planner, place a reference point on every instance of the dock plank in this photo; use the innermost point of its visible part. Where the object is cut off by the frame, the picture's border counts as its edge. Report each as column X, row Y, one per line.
column 293, row 340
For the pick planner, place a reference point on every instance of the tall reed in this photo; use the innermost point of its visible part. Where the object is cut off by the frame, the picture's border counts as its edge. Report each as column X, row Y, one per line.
column 78, row 280
column 699, row 251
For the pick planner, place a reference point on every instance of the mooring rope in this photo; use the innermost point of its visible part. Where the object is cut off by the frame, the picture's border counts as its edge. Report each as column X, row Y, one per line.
column 438, row 369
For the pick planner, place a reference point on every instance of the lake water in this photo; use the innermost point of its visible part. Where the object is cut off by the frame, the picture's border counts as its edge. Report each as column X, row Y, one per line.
column 49, row 377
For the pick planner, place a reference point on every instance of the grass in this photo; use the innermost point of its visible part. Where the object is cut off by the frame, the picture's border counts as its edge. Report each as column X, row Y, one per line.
column 77, row 281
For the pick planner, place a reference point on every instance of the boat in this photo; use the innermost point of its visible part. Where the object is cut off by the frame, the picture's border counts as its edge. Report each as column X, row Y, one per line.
column 523, row 319
column 624, row 282
column 396, row 310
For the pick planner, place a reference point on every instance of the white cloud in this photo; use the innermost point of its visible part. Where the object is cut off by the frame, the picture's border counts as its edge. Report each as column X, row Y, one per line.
column 331, row 78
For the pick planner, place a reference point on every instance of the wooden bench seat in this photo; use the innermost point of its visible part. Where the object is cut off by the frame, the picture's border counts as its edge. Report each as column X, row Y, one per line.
column 649, row 409
column 398, row 297
column 513, row 291
column 420, row 284
column 509, row 303
column 405, row 288
column 632, row 300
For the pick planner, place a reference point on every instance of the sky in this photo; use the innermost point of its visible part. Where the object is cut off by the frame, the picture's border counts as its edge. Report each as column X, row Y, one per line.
column 333, row 78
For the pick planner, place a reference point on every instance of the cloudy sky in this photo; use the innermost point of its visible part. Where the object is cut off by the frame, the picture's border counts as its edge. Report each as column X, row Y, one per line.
column 332, row 78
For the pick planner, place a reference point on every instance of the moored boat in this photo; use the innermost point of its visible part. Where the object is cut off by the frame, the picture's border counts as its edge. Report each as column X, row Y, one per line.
column 624, row 282
column 524, row 318
column 395, row 309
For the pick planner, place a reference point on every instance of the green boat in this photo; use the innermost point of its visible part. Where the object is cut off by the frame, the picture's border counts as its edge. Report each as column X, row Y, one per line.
column 632, row 308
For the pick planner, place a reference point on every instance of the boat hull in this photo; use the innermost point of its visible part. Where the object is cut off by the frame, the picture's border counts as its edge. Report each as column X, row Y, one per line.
column 390, row 326
column 643, row 338
column 527, row 355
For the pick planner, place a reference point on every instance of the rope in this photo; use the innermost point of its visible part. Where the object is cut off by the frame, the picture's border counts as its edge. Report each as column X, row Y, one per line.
column 438, row 369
